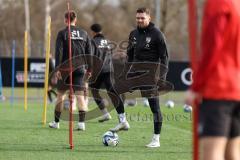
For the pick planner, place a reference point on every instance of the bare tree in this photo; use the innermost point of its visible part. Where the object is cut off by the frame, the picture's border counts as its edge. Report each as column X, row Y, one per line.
column 117, row 21
column 158, row 10
column 163, row 15
column 49, row 5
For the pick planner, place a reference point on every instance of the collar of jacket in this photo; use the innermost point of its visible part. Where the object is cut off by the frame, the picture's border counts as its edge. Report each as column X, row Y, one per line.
column 148, row 28
column 71, row 26
column 99, row 35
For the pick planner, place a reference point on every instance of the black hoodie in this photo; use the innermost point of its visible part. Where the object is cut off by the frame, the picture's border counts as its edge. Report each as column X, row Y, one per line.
column 147, row 45
column 81, row 45
column 104, row 51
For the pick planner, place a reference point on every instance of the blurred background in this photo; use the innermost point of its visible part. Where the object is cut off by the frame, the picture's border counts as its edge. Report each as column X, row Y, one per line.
column 116, row 16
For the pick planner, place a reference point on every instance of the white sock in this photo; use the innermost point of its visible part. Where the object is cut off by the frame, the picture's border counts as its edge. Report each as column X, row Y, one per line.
column 104, row 111
column 122, row 117
column 156, row 136
column 81, row 123
column 107, row 115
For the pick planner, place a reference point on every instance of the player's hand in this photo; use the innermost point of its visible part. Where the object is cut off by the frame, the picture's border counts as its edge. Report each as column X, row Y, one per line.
column 191, row 97
column 59, row 75
column 54, row 79
column 87, row 76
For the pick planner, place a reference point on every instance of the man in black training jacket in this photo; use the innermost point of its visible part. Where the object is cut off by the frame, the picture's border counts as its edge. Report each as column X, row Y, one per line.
column 147, row 44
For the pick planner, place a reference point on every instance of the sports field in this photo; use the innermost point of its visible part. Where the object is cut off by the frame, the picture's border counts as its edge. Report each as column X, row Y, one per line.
column 22, row 135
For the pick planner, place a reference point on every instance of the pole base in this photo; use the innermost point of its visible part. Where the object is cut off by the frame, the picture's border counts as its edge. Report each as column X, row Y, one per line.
column 71, row 146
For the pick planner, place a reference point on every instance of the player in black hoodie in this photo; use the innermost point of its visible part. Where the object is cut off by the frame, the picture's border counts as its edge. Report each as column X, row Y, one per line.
column 102, row 46
column 147, row 44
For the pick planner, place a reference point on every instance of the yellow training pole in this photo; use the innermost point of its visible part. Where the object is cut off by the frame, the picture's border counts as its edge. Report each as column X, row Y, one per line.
column 25, row 68
column 47, row 44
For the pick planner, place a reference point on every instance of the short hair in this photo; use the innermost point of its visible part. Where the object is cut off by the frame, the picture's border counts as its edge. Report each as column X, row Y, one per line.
column 72, row 15
column 143, row 10
column 96, row 28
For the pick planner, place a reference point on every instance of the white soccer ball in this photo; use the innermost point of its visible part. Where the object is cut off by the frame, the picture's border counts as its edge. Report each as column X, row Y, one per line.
column 187, row 108
column 131, row 102
column 66, row 104
column 110, row 139
column 169, row 104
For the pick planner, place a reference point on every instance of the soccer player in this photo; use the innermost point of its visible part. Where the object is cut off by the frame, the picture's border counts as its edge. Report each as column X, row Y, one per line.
column 216, row 81
column 147, row 44
column 81, row 44
column 102, row 46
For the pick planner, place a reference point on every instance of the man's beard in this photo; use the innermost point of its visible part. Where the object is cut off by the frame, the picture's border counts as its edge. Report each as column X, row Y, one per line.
column 141, row 25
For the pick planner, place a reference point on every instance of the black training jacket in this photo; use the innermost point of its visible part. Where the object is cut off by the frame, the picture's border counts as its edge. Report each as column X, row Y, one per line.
column 81, row 44
column 104, row 51
column 147, row 45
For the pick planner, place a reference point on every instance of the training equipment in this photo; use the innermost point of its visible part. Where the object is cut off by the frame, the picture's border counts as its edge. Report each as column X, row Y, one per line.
column 193, row 53
column 1, row 94
column 66, row 104
column 187, row 108
column 130, row 102
column 13, row 70
column 110, row 139
column 25, row 69
column 169, row 104
column 46, row 85
column 2, row 98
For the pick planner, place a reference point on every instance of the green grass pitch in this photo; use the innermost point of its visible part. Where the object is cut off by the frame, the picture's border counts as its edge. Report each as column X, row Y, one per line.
column 23, row 137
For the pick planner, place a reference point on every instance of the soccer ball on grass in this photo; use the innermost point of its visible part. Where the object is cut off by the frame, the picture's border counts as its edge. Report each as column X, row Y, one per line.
column 169, row 104
column 110, row 139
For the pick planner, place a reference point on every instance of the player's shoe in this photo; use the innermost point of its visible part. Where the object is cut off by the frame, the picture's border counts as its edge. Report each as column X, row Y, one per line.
column 105, row 117
column 145, row 102
column 154, row 143
column 81, row 126
column 2, row 98
column 54, row 124
column 121, row 126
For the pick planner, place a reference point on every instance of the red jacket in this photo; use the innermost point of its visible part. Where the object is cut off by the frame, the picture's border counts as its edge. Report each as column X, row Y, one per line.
column 217, row 75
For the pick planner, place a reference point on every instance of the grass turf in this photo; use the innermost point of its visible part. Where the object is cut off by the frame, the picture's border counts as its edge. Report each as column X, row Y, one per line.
column 24, row 137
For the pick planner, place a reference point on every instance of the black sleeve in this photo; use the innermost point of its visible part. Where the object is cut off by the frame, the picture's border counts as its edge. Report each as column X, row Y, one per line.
column 94, row 48
column 130, row 48
column 59, row 49
column 51, row 65
column 95, row 51
column 162, row 50
column 89, row 51
column 88, row 48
